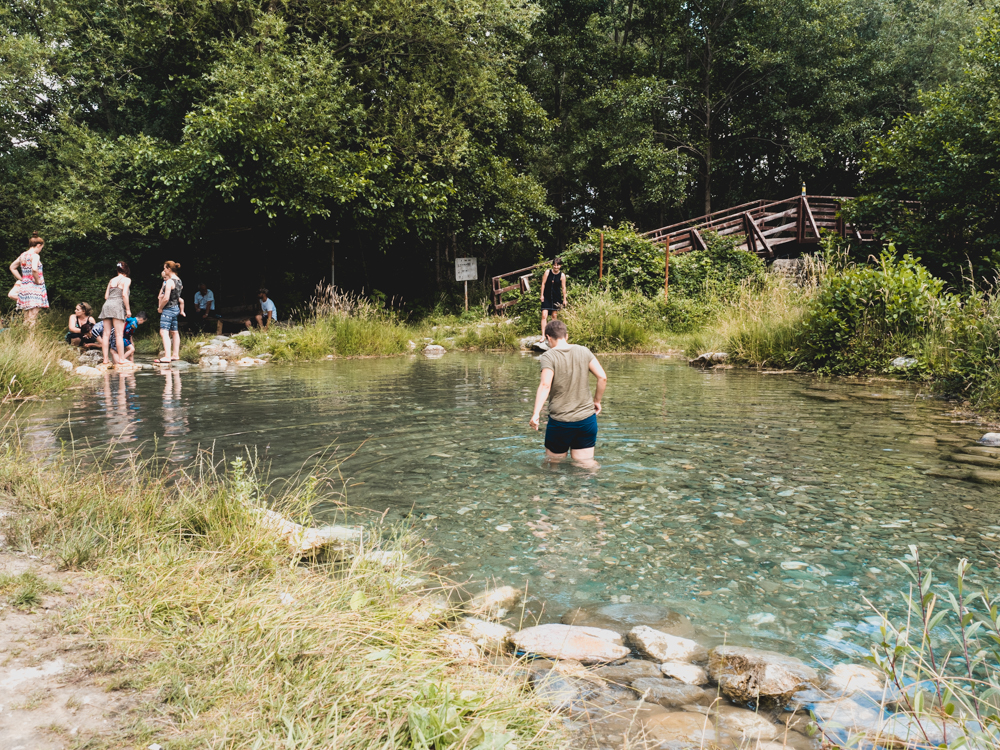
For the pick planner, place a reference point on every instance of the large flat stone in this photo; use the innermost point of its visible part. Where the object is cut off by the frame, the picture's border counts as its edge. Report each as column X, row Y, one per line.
column 681, row 727
column 662, row 647
column 494, row 604
column 689, row 673
column 623, row 617
column 744, row 724
column 669, row 693
column 757, row 677
column 624, row 674
column 555, row 641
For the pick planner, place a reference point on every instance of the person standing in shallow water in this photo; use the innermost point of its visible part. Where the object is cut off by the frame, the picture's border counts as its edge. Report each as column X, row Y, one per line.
column 114, row 312
column 565, row 383
column 170, row 305
column 553, row 292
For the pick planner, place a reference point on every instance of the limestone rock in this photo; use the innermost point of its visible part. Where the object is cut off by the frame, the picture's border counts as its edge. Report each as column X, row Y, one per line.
column 991, row 439
column 623, row 617
column 489, row 636
column 495, row 603
column 90, row 357
column 854, row 678
column 434, row 350
column 985, row 476
column 689, row 673
column 904, row 362
column 458, row 647
column 749, row 675
column 681, row 727
column 668, row 693
column 180, row 364
column 586, row 645
column 430, row 609
column 86, row 370
column 709, row 359
column 745, row 724
column 562, row 693
column 627, row 673
column 66, row 365
column 663, row 647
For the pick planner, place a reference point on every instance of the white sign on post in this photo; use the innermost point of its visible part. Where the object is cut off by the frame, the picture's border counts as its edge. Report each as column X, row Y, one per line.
column 465, row 269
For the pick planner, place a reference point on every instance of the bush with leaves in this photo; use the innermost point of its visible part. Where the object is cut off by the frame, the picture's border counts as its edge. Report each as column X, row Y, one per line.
column 630, row 261
column 718, row 271
column 866, row 315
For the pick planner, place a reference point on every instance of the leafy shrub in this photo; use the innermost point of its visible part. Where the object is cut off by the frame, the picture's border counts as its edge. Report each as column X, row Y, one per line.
column 718, row 271
column 865, row 315
column 630, row 261
column 610, row 323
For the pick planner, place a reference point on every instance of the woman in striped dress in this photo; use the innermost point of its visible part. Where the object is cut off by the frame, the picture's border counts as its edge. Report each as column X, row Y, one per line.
column 27, row 269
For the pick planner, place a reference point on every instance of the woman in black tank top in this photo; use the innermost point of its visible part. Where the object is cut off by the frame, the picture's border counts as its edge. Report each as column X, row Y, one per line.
column 553, row 292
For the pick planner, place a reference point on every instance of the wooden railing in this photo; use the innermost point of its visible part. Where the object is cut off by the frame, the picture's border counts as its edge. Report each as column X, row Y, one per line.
column 763, row 225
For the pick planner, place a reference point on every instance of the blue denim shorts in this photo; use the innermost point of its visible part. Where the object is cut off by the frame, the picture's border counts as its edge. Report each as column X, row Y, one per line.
column 561, row 436
column 168, row 318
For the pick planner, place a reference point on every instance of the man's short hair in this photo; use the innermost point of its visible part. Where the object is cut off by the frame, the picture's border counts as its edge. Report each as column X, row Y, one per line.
column 556, row 330
column 263, row 290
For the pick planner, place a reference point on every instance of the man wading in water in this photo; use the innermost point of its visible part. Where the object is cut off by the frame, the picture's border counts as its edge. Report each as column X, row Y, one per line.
column 572, row 412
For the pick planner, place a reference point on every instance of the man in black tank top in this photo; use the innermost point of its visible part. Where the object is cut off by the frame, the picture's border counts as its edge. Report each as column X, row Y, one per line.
column 553, row 293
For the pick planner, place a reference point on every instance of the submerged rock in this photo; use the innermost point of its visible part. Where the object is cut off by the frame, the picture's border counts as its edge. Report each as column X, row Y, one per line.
column 755, row 676
column 623, row 617
column 709, row 359
column 86, row 370
column 854, row 678
column 585, row 645
column 663, row 647
column 991, row 439
column 494, row 604
column 681, row 727
column 669, row 693
column 744, row 723
column 627, row 673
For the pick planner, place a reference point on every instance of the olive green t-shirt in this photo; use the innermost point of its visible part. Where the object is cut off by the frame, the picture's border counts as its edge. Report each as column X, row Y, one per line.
column 570, row 399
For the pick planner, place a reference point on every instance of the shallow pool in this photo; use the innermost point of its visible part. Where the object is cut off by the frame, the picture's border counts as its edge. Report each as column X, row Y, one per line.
column 765, row 507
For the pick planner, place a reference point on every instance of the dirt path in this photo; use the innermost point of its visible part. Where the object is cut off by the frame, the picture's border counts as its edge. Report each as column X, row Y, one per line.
column 49, row 696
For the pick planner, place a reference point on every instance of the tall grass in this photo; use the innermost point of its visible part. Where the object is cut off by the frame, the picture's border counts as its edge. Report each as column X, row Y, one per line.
column 232, row 643
column 345, row 325
column 762, row 326
column 29, row 363
column 495, row 334
column 606, row 322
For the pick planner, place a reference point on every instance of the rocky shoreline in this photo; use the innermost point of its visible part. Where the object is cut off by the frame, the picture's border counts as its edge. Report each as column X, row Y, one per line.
column 634, row 673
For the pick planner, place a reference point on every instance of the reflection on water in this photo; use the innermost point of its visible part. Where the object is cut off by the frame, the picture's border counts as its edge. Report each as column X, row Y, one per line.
column 764, row 507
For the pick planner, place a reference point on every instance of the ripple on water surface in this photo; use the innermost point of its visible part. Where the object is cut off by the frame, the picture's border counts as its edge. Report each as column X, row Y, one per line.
column 764, row 507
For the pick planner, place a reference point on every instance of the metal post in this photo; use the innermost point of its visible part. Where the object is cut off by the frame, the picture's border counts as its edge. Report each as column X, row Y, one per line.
column 666, row 269
column 333, row 262
column 467, row 296
column 600, row 265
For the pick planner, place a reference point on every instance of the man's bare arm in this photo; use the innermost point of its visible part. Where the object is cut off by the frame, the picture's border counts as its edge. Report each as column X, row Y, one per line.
column 602, row 383
column 544, row 386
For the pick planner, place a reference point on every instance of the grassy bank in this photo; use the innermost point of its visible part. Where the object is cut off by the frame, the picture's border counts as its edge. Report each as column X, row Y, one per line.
column 29, row 363
column 229, row 642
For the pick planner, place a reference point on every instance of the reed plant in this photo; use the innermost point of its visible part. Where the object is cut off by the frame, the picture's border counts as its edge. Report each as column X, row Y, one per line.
column 228, row 639
column 942, row 661
column 762, row 325
column 338, row 323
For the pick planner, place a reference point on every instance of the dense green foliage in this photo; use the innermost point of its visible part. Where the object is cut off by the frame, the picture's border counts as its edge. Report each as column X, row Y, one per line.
column 945, row 156
column 239, row 137
column 865, row 315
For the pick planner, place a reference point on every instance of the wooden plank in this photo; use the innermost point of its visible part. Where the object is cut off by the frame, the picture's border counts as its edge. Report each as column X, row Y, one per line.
column 809, row 217
column 782, row 215
column 510, row 288
column 759, row 236
column 774, row 230
column 697, row 239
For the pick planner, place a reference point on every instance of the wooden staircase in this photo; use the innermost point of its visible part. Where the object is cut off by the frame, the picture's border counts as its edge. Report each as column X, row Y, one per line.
column 763, row 225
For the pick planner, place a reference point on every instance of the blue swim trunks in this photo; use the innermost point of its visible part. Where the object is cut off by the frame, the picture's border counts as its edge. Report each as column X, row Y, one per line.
column 561, row 436
column 168, row 318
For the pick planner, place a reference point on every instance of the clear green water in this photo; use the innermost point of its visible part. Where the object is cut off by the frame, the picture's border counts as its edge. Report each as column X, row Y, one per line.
column 708, row 481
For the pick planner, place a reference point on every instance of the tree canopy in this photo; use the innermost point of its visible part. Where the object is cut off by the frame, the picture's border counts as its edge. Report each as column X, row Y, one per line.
column 242, row 136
